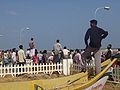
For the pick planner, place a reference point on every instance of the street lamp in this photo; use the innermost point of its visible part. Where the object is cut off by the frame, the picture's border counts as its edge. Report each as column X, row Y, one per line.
column 26, row 28
column 105, row 8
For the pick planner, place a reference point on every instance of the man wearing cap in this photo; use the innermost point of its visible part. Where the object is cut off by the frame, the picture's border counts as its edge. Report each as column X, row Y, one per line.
column 94, row 35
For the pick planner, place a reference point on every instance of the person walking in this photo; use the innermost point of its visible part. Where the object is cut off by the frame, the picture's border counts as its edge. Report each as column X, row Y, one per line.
column 94, row 35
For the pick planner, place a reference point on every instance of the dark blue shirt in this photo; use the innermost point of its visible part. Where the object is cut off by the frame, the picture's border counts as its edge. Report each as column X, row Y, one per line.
column 95, row 35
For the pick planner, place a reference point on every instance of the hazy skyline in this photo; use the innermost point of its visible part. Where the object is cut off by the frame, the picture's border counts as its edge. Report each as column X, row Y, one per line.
column 48, row 20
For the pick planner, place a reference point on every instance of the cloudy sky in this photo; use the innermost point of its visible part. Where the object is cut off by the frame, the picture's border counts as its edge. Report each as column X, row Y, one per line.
column 48, row 20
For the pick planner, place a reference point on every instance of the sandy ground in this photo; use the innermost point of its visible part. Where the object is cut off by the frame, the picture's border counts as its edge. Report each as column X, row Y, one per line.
column 109, row 86
column 27, row 77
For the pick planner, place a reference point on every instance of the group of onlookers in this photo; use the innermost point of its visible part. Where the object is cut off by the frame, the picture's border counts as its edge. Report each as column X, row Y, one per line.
column 93, row 38
column 20, row 56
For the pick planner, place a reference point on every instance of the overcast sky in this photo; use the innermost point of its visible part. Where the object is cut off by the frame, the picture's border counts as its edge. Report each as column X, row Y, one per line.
column 48, row 20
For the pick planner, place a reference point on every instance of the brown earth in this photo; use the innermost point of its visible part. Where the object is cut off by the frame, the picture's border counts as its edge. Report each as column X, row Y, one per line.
column 110, row 86
column 27, row 77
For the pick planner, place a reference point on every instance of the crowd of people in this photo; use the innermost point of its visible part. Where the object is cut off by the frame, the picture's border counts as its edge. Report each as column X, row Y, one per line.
column 93, row 39
column 20, row 56
column 14, row 56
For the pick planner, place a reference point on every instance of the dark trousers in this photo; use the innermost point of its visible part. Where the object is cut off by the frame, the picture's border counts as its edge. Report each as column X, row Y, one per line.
column 97, row 55
column 88, row 52
column 57, row 58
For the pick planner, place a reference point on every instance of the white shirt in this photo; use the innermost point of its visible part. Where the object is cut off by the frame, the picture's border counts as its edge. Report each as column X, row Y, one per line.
column 66, row 52
column 21, row 55
column 78, row 59
column 14, row 56
column 32, row 52
column 57, row 47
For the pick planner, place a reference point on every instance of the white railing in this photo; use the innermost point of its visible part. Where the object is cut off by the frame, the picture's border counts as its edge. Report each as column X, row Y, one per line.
column 15, row 70
column 116, row 73
column 115, row 77
column 76, row 67
column 31, row 68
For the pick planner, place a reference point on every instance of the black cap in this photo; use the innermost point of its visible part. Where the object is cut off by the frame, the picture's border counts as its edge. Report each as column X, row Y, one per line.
column 21, row 46
column 93, row 21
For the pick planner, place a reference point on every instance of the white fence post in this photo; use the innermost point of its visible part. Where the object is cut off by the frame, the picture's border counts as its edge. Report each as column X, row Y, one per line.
column 1, row 73
column 116, row 73
column 31, row 68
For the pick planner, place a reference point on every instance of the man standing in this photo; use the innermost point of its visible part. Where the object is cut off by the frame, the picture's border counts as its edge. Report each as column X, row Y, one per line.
column 66, row 53
column 31, row 43
column 57, row 51
column 32, row 47
column 21, row 56
column 95, row 35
